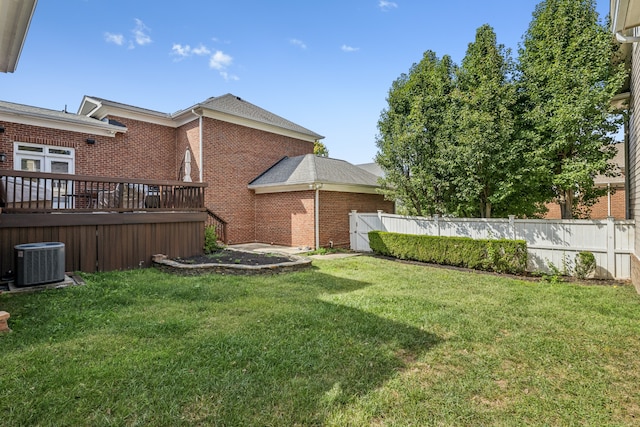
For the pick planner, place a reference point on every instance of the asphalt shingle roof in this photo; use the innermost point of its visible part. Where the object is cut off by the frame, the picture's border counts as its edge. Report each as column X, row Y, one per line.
column 309, row 169
column 29, row 111
column 228, row 104
column 237, row 106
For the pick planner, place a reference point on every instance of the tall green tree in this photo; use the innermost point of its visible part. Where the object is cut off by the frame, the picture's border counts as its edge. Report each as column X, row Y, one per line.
column 567, row 80
column 413, row 134
column 490, row 173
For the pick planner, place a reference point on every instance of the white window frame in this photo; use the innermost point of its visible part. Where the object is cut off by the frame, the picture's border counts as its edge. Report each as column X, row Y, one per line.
column 45, row 155
column 62, row 188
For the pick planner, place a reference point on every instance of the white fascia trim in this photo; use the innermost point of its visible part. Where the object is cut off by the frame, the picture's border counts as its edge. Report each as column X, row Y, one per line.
column 225, row 117
column 49, row 123
column 105, row 110
column 341, row 188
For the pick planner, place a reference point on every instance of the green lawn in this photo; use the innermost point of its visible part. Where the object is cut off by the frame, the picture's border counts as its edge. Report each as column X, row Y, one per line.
column 356, row 341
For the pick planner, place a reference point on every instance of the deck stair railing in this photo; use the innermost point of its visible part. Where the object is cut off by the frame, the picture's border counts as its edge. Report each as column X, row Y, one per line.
column 219, row 224
column 38, row 192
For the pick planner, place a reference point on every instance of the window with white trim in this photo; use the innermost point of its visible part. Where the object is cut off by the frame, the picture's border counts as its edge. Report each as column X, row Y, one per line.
column 46, row 158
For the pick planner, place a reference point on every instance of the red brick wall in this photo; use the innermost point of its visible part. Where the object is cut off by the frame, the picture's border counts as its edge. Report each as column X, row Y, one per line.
column 334, row 214
column 39, row 135
column 599, row 210
column 188, row 137
column 286, row 218
column 145, row 151
column 233, row 156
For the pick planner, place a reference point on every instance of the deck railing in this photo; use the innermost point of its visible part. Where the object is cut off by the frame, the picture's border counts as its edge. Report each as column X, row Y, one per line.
column 219, row 224
column 37, row 192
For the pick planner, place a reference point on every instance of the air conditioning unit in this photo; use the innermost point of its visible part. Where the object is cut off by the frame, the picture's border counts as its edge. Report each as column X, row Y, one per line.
column 39, row 263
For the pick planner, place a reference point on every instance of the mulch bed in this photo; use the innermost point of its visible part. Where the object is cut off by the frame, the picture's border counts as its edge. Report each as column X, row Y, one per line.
column 227, row 256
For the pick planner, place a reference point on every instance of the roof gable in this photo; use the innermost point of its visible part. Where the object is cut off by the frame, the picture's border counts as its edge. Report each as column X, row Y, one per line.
column 228, row 108
column 238, row 107
column 311, row 171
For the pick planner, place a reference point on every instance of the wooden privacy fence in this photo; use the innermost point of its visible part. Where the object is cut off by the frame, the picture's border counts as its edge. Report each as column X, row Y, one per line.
column 549, row 242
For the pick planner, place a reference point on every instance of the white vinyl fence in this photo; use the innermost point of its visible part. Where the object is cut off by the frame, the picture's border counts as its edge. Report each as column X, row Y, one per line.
column 549, row 242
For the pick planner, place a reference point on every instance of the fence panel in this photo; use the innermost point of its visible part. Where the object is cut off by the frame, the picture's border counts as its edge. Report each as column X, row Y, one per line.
column 550, row 243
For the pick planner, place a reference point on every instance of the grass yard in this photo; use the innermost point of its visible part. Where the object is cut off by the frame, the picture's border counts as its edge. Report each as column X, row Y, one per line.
column 351, row 342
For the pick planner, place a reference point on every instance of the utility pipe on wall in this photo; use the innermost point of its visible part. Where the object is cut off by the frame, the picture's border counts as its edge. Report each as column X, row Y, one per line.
column 317, row 186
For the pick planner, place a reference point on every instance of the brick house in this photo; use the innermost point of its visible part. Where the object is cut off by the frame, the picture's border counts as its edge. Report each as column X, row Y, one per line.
column 625, row 24
column 224, row 141
column 614, row 203
column 317, row 191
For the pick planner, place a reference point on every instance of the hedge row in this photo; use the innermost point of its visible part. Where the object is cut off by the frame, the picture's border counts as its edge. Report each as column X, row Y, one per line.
column 503, row 256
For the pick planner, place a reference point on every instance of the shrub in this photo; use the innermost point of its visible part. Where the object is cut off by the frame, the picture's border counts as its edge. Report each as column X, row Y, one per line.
column 210, row 239
column 502, row 256
column 585, row 264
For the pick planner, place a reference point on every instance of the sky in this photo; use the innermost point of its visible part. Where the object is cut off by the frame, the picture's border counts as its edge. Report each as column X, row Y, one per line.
column 325, row 65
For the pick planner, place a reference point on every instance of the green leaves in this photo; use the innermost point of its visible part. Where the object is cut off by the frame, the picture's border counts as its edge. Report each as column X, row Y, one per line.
column 493, row 138
column 413, row 136
column 568, row 78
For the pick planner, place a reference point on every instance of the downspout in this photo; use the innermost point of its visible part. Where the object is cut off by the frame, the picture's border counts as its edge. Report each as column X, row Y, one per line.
column 627, row 181
column 608, row 199
column 626, row 39
column 200, row 149
column 317, row 186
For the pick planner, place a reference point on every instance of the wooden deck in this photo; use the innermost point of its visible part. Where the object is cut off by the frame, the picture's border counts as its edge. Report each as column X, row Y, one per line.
column 106, row 224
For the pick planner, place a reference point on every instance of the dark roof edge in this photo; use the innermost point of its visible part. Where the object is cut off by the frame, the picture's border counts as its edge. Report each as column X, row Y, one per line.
column 270, row 167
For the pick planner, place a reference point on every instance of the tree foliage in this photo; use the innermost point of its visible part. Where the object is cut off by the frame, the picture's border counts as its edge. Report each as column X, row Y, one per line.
column 488, row 152
column 568, row 78
column 319, row 149
column 413, row 134
column 493, row 138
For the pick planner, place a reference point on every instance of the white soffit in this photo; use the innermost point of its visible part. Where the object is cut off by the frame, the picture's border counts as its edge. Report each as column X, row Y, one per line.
column 625, row 15
column 15, row 17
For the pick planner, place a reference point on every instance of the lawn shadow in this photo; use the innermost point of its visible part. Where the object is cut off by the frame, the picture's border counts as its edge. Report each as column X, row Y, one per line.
column 270, row 352
column 313, row 358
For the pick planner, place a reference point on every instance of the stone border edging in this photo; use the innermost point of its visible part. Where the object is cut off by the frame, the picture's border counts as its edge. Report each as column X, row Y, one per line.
column 296, row 263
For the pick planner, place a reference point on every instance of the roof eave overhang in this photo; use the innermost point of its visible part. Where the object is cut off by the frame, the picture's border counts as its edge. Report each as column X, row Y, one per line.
column 322, row 186
column 625, row 16
column 60, row 124
column 99, row 109
column 15, row 19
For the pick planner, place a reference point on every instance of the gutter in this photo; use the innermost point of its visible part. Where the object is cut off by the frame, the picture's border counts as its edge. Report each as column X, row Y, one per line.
column 614, row 24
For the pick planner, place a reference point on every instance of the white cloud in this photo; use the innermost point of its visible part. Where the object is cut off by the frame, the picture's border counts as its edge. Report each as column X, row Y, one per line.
column 114, row 38
column 298, row 43
column 387, row 5
column 346, row 48
column 140, row 36
column 201, row 51
column 220, row 60
column 228, row 76
column 184, row 51
column 179, row 50
column 140, row 33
